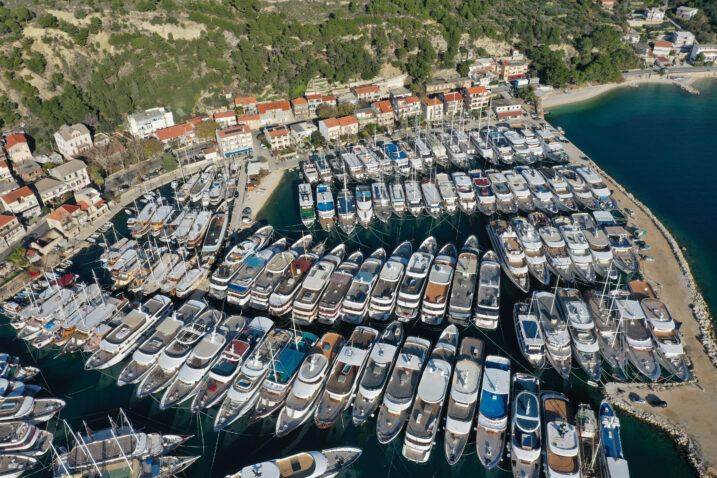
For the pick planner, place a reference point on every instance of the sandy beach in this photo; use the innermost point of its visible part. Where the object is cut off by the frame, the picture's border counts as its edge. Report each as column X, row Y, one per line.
column 257, row 198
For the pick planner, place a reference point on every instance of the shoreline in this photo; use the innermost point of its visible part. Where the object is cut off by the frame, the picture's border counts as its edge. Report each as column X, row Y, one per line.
column 258, row 199
column 580, row 95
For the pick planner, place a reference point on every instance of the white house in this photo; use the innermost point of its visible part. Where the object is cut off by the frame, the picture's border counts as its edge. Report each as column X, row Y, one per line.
column 20, row 201
column 73, row 173
column 302, row 131
column 278, row 137
column 686, row 13
column 662, row 48
column 49, row 189
column 73, row 140
column 234, row 140
column 709, row 50
column 144, row 123
column 10, row 230
column 507, row 108
column 432, row 109
column 682, row 39
column 17, row 147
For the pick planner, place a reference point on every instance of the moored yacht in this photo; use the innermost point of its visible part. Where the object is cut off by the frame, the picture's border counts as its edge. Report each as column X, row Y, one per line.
column 364, row 208
column 383, row 296
column 492, row 423
column 670, row 350
column 486, row 197
column 554, row 247
column 381, row 201
column 512, row 257
column 504, row 197
column 597, row 187
column 273, row 272
column 528, row 333
column 578, row 249
column 437, row 293
column 578, row 187
column 460, row 305
column 582, row 332
column 555, row 332
column 448, row 193
column 561, row 451
column 466, row 193
column 306, row 304
column 525, row 439
column 310, row 464
column 333, row 298
column 559, row 186
column 247, row 247
column 346, row 208
column 599, row 245
column 487, row 306
column 542, row 195
column 306, row 204
column 398, row 198
column 640, row 347
column 414, row 198
column 623, row 251
column 533, row 249
column 431, row 197
column 614, row 464
column 356, row 301
column 519, row 187
column 281, row 300
column 325, row 206
column 410, row 292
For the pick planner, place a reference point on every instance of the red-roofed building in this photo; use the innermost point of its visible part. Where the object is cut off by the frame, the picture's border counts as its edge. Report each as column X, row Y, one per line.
column 234, row 140
column 10, row 230
column 329, row 100
column 314, row 101
column 368, row 93
column 91, row 203
column 432, row 109
column 662, row 48
column 252, row 121
column 406, row 107
column 247, row 104
column 662, row 62
column 333, row 129
column 349, row 125
column 181, row 133
column 225, row 118
column 300, row 107
column 384, row 113
column 475, row 97
column 274, row 112
column 452, row 103
column 20, row 201
column 67, row 219
column 17, row 147
column 278, row 137
column 5, row 174
column 196, row 121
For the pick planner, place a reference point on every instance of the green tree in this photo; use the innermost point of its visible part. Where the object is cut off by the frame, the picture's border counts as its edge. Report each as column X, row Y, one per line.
column 151, row 147
column 317, row 140
column 169, row 162
column 206, row 129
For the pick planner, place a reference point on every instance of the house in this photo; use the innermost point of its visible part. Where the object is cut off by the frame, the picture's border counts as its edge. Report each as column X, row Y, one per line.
column 682, row 39
column 144, row 123
column 91, row 203
column 329, row 100
column 50, row 188
column 365, row 116
column 234, row 140
column 384, row 113
column 632, row 37
column 20, row 201
column 508, row 108
column 246, row 105
column 452, row 103
column 661, row 48
column 432, row 109
column 654, row 14
column 181, row 134
column 274, row 112
column 225, row 119
column 10, row 230
column 5, row 174
column 210, row 153
column 73, row 173
column 27, row 170
column 252, row 121
column 278, row 137
column 686, row 13
column 641, row 48
column 405, row 107
column 368, row 94
column 313, row 102
column 662, row 62
column 17, row 147
column 302, row 131
column 73, row 140
column 66, row 219
column 349, row 125
column 443, row 85
column 333, row 129
column 475, row 97
column 512, row 68
column 607, row 4
column 8, row 185
column 707, row 50
column 300, row 107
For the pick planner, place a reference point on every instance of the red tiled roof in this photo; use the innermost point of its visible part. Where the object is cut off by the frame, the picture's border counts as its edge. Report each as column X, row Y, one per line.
column 14, row 139
column 277, row 131
column 662, row 59
column 431, row 101
column 299, row 101
column 362, row 90
column 5, row 219
column 224, row 114
column 383, row 106
column 233, row 131
column 410, row 99
column 331, row 123
column 3, row 164
column 62, row 212
column 83, row 205
column 510, row 113
column 663, row 44
column 176, row 131
column 244, row 101
column 453, row 96
column 273, row 105
column 327, row 99
column 476, row 90
column 347, row 120
column 209, row 150
column 315, row 96
column 246, row 118
column 13, row 196
column 196, row 121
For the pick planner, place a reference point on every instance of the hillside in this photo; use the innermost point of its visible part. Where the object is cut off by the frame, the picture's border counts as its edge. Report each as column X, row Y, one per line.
column 97, row 60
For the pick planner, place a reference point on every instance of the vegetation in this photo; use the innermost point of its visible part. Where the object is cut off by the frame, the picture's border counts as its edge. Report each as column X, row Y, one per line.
column 704, row 24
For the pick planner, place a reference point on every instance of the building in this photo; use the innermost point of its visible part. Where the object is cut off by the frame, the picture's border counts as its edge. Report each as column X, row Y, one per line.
column 278, row 137
column 181, row 134
column 252, row 121
column 439, row 86
column 300, row 107
column 66, row 219
column 17, row 147
column 681, row 40
column 512, row 68
column 384, row 113
column 349, row 125
column 234, row 140
column 632, row 37
column 686, row 13
column 143, row 124
column 20, row 201
column 10, row 230
column 661, row 48
column 452, row 103
column 607, row 4
column 329, row 100
column 274, row 112
column 73, row 173
column 708, row 51
column 368, row 94
column 49, row 189
column 303, row 131
column 641, row 48
column 365, row 116
column 406, row 107
column 313, row 102
column 662, row 62
column 654, row 14
column 246, row 105
column 508, row 108
column 73, row 140
column 28, row 170
column 91, row 203
column 5, row 174
column 432, row 109
column 333, row 129
column 210, row 153
column 475, row 97
column 225, row 119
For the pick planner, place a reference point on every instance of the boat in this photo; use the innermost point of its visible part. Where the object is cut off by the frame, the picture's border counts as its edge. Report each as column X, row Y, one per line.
column 311, row 174
column 466, row 192
column 306, row 204
column 346, row 210
column 609, row 332
column 23, row 438
column 356, row 301
column 422, row 150
column 488, row 293
column 364, row 208
column 338, row 168
column 303, row 397
column 378, row 370
column 460, row 305
column 344, row 377
column 521, row 153
column 481, row 145
column 124, row 338
column 437, row 293
column 623, row 251
column 423, row 421
column 333, row 298
column 512, row 257
column 438, row 149
column 178, row 350
column 239, row 289
column 158, row 274
column 217, row 191
column 385, row 160
column 525, row 427
column 311, row 464
column 354, row 165
column 560, row 189
column 143, row 224
column 14, row 465
column 578, row 187
column 148, row 353
column 597, row 187
column 432, row 198
column 11, row 369
column 214, row 238
column 587, row 429
column 556, row 252
column 169, row 283
column 29, row 409
column 448, row 192
column 382, row 299
column 324, row 169
column 640, row 346
column 504, row 197
column 325, row 206
column 599, row 245
column 413, row 284
column 543, row 197
column 15, row 388
column 161, row 216
column 381, row 201
column 463, row 398
column 181, row 232
column 205, row 181
column 581, row 326
column 492, row 422
column 369, row 160
column 533, row 249
column 486, row 199
column 405, row 159
column 519, row 187
column 248, row 246
column 529, row 335
column 198, row 229
column 552, row 147
column 414, row 198
column 398, row 198
column 274, row 271
column 670, row 350
column 281, row 300
column 502, row 150
column 456, row 155
column 578, row 249
column 190, row 281
column 561, row 451
column 555, row 332
column 221, row 374
column 614, row 464
column 535, row 148
column 305, row 307
column 184, row 190
column 243, row 393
